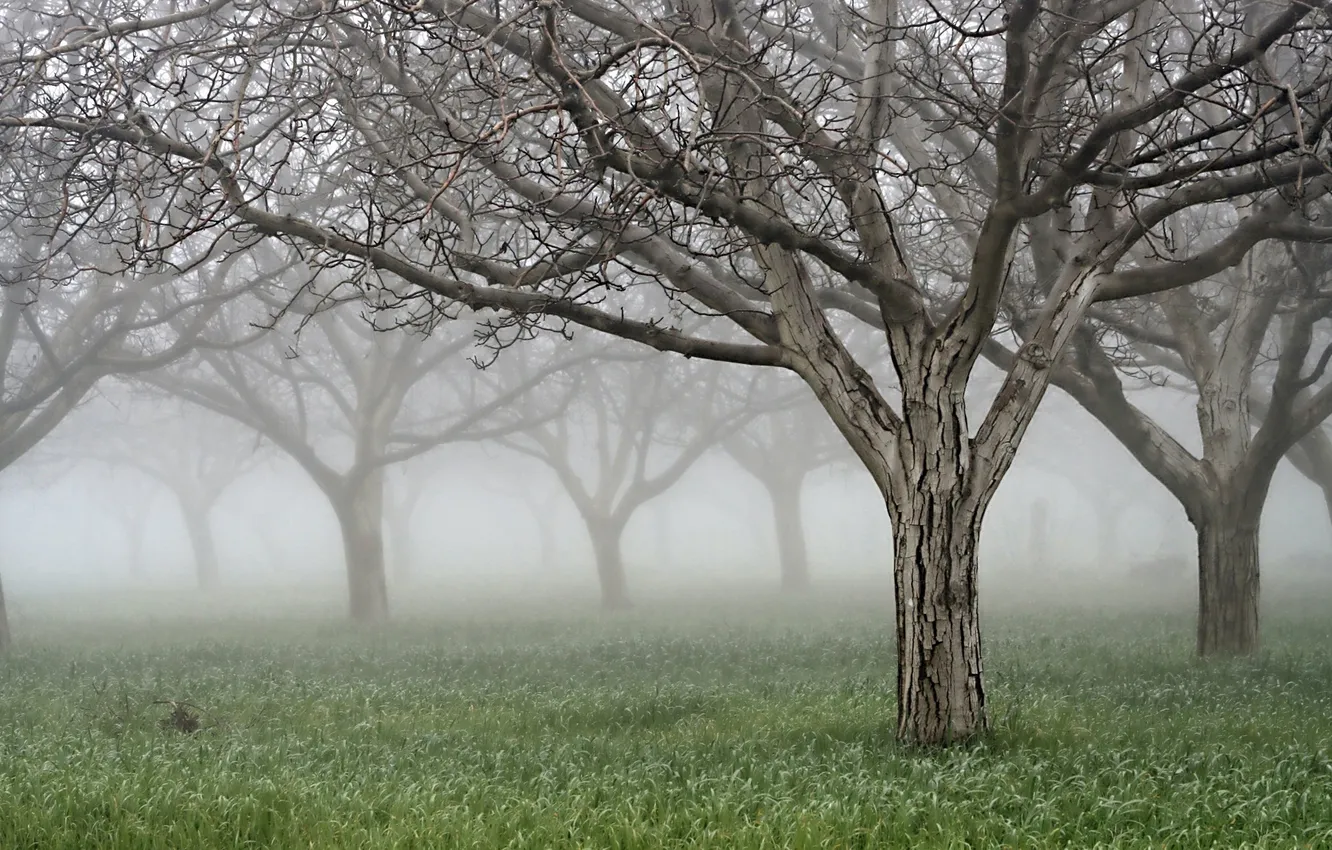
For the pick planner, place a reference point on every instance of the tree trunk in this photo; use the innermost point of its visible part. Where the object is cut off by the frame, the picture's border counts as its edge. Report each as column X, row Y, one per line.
column 936, row 508
column 1227, row 582
column 361, row 516
column 606, row 538
column 202, row 543
column 940, row 695
column 792, row 553
column 1226, row 516
column 4, row 621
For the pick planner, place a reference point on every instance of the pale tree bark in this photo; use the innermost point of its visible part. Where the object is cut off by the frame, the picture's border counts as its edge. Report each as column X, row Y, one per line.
column 647, row 423
column 780, row 450
column 352, row 382
column 402, row 495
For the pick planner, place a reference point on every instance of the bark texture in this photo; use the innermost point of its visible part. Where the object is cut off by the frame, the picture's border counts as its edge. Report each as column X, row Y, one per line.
column 1227, row 583
column 361, row 517
column 936, row 536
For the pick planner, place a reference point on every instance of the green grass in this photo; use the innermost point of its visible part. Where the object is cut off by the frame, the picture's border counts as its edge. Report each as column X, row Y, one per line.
column 770, row 727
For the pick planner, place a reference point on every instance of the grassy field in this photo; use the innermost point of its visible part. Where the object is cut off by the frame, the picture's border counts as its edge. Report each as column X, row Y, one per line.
column 737, row 727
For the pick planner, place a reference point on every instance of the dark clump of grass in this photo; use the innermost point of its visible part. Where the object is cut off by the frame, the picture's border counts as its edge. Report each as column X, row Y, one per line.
column 775, row 730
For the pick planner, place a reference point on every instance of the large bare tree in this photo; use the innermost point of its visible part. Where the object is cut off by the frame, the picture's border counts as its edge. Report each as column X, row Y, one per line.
column 764, row 162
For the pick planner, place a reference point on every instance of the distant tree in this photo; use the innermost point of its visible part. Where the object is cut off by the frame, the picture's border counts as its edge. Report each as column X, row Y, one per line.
column 780, row 449
column 1251, row 328
column 194, row 457
column 67, row 323
column 632, row 431
column 347, row 401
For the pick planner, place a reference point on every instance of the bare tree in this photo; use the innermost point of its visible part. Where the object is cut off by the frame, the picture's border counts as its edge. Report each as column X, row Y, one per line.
column 633, row 430
column 1255, row 328
column 763, row 163
column 66, row 323
column 195, row 458
column 346, row 401
column 780, row 450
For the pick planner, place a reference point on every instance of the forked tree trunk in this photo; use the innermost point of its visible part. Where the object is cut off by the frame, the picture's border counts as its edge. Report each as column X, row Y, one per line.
column 202, row 543
column 4, row 621
column 1228, row 581
column 792, row 552
column 361, row 516
column 606, row 547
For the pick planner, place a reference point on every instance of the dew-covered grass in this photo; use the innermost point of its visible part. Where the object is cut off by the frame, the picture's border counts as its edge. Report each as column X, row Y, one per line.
column 737, row 727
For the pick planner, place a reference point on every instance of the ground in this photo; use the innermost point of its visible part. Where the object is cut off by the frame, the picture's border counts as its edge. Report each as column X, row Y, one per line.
column 761, row 724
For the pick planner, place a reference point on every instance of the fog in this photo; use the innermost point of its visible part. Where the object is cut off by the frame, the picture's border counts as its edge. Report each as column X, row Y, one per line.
column 492, row 526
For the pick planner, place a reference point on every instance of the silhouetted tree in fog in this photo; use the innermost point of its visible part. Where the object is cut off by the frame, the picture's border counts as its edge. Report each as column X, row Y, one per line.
column 633, row 429
column 347, row 400
column 194, row 457
column 780, row 449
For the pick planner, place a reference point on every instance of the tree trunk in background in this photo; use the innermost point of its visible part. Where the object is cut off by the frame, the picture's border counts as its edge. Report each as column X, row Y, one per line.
column 202, row 543
column 792, row 552
column 4, row 620
column 606, row 547
column 361, row 515
column 1228, row 580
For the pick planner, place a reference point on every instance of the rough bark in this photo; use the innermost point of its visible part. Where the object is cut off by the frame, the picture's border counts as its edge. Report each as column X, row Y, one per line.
column 936, row 522
column 606, row 547
column 202, row 543
column 4, row 621
column 1227, row 583
column 792, row 552
column 360, row 514
column 940, row 695
column 1226, row 519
